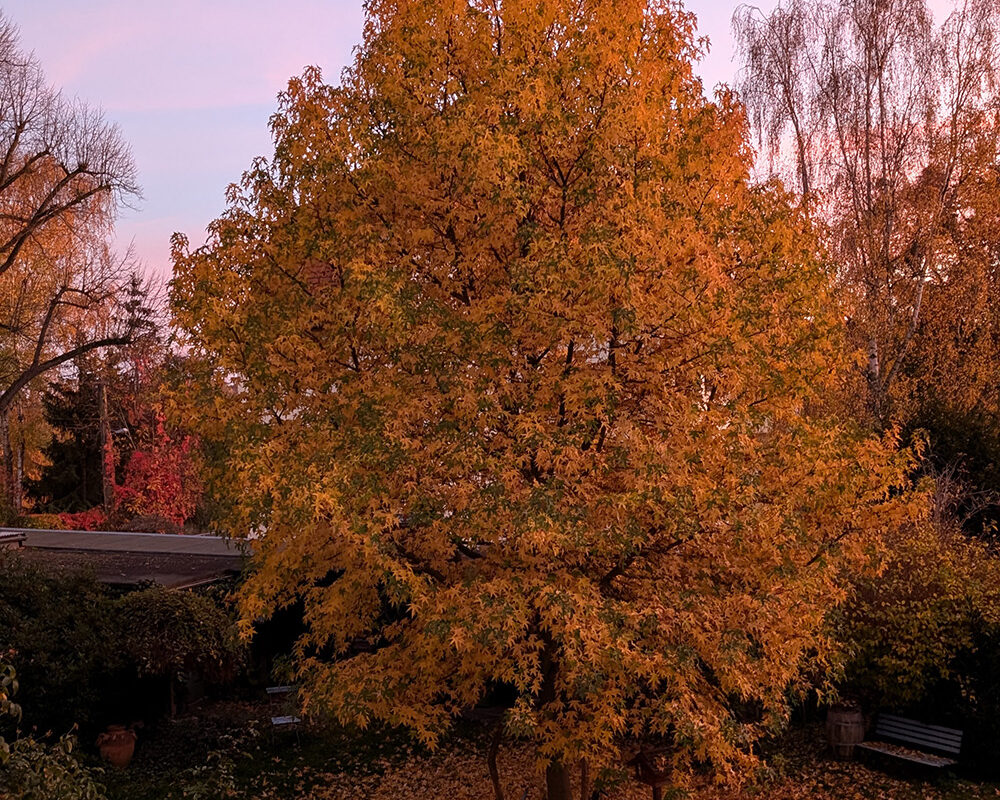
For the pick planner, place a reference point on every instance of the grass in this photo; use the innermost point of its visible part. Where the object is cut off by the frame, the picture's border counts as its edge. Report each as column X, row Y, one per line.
column 229, row 750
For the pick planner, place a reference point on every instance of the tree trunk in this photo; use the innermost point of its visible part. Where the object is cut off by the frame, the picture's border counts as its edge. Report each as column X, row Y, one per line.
column 584, row 779
column 8, row 464
column 491, row 761
column 557, row 781
column 17, row 493
column 556, row 774
column 107, row 452
column 873, row 375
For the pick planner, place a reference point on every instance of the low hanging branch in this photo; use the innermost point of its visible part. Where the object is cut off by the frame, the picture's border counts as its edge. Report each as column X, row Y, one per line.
column 8, row 397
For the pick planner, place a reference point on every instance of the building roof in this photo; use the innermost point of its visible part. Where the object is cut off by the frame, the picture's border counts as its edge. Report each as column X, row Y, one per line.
column 127, row 559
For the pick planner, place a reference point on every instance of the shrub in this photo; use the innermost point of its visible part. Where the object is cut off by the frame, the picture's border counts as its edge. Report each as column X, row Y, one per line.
column 93, row 519
column 86, row 658
column 33, row 770
column 919, row 622
column 165, row 632
column 51, row 522
column 58, row 632
column 151, row 523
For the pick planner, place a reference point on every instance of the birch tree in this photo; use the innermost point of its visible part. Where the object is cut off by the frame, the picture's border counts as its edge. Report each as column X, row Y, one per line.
column 886, row 126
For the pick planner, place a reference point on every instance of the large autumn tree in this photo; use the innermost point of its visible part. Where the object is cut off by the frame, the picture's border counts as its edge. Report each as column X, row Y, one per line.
column 524, row 382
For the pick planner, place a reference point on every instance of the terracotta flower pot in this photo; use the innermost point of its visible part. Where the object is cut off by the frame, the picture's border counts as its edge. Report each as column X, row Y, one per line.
column 117, row 745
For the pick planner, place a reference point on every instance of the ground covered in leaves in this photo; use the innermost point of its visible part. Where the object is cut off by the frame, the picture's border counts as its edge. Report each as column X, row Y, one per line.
column 228, row 751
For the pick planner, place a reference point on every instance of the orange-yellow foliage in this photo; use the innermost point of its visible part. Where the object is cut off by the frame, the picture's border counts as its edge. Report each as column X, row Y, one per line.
column 523, row 382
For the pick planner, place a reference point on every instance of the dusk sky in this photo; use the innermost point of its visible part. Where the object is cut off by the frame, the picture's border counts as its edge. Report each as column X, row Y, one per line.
column 192, row 84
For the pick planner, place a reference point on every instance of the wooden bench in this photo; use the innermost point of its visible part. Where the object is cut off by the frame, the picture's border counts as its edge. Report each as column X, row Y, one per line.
column 12, row 538
column 907, row 739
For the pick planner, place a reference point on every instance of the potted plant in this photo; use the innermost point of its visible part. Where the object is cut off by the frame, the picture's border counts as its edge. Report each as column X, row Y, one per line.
column 117, row 744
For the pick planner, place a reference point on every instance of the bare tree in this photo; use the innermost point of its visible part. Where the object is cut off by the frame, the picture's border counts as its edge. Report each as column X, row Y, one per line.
column 51, row 315
column 56, row 155
column 65, row 172
column 879, row 113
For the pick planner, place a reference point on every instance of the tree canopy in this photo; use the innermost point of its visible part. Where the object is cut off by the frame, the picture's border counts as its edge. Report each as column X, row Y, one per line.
column 524, row 382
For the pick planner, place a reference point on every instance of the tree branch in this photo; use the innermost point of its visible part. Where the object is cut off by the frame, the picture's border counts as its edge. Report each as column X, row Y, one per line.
column 8, row 396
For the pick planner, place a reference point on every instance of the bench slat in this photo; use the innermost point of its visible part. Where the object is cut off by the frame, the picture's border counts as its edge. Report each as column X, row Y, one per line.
column 935, row 744
column 920, row 744
column 914, row 723
column 917, row 736
column 909, row 730
column 924, row 740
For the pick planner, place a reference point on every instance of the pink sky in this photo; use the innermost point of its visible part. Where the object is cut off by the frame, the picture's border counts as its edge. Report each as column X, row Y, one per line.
column 192, row 83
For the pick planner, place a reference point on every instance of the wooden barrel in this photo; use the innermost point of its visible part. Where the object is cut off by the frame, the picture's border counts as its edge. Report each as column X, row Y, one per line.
column 845, row 727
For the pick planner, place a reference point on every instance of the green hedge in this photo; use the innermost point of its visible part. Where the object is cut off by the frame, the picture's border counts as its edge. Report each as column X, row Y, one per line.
column 78, row 650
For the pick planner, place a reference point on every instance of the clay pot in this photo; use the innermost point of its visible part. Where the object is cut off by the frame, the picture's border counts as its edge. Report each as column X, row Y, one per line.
column 845, row 728
column 117, row 745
